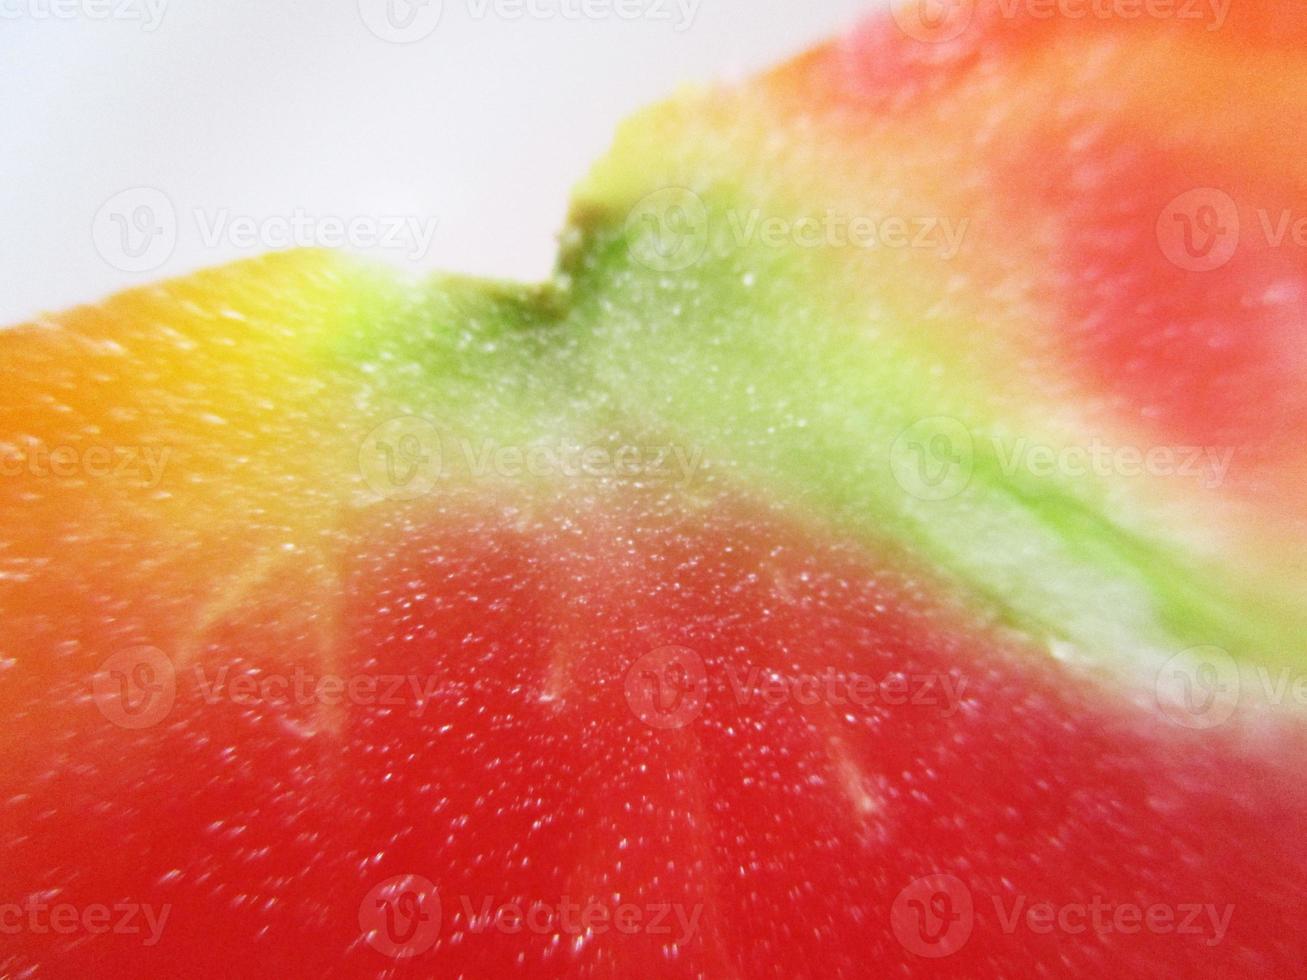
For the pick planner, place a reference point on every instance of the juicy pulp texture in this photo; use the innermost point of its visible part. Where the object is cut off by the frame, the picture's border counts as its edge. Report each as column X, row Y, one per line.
column 768, row 672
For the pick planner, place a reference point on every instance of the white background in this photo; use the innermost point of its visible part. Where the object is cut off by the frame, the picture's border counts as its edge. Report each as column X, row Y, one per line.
column 257, row 108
